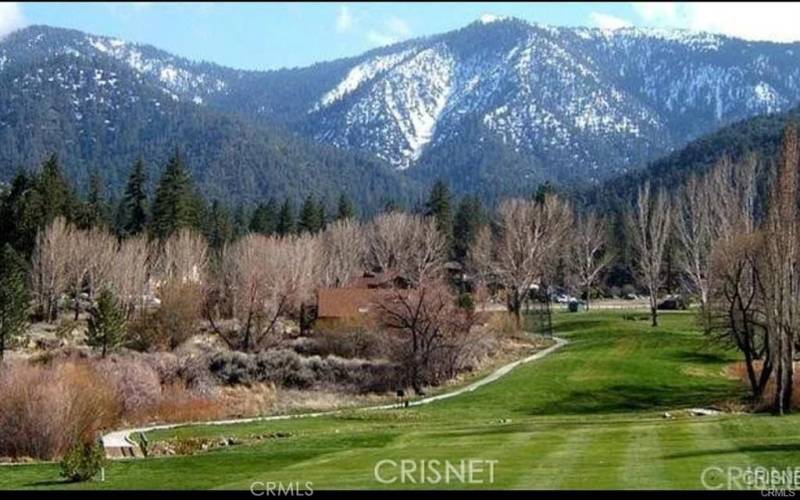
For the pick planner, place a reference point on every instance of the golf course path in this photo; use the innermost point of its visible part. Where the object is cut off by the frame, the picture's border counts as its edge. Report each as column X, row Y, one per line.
column 118, row 444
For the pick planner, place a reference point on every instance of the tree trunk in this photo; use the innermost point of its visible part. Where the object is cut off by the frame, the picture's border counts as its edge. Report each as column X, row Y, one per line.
column 653, row 309
column 588, row 295
column 784, row 374
column 515, row 308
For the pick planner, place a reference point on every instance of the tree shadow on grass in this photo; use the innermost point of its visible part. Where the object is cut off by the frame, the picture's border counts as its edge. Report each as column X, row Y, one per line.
column 623, row 398
column 767, row 448
column 580, row 325
column 52, row 482
column 705, row 358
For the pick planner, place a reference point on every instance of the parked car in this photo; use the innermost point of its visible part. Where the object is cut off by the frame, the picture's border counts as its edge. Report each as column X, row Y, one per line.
column 672, row 304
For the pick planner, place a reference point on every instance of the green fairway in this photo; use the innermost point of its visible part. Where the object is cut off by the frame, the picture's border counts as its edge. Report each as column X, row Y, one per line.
column 588, row 416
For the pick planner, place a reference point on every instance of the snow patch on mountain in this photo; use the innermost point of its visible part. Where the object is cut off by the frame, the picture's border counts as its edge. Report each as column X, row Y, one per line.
column 359, row 75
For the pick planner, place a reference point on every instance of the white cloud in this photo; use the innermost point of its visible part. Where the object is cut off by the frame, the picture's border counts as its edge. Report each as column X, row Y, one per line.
column 394, row 30
column 380, row 38
column 398, row 26
column 771, row 21
column 11, row 18
column 656, row 11
column 344, row 20
column 608, row 22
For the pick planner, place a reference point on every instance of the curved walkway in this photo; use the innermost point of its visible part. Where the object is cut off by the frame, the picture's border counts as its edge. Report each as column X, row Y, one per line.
column 119, row 444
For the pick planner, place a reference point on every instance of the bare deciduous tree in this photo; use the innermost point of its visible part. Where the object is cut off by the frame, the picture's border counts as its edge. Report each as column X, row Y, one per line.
column 344, row 252
column 130, row 273
column 737, row 308
column 183, row 258
column 693, row 225
column 49, row 269
column 589, row 253
column 650, row 224
column 268, row 277
column 517, row 255
column 712, row 209
column 408, row 244
column 782, row 269
column 428, row 325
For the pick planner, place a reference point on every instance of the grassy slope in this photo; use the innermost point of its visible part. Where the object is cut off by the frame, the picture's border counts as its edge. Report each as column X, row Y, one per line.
column 588, row 416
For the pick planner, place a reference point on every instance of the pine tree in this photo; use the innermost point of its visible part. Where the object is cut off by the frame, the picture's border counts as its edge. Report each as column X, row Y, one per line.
column 439, row 206
column 345, row 209
column 134, row 202
column 96, row 212
column 14, row 297
column 285, row 222
column 240, row 224
column 17, row 225
column 392, row 205
column 264, row 218
column 468, row 220
column 107, row 327
column 55, row 196
column 322, row 216
column 543, row 190
column 309, row 216
column 176, row 203
column 220, row 226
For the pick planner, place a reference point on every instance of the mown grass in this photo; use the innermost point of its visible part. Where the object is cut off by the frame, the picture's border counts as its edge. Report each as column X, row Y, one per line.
column 588, row 416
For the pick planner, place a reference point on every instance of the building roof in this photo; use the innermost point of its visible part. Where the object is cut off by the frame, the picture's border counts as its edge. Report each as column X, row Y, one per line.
column 346, row 302
column 375, row 280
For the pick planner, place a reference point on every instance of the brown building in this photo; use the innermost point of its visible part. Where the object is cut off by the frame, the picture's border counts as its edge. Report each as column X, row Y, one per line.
column 346, row 303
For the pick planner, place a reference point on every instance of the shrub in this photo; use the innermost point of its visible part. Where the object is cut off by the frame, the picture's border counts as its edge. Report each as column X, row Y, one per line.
column 288, row 369
column 45, row 410
column 232, row 367
column 352, row 342
column 136, row 383
column 83, row 461
column 174, row 321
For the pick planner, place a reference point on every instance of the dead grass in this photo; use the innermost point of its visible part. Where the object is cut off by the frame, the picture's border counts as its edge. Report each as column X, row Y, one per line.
column 739, row 370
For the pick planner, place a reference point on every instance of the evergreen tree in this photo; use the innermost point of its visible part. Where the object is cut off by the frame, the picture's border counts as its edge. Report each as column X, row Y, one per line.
column 32, row 202
column 468, row 220
column 95, row 211
column 14, row 297
column 345, row 209
column 55, row 196
column 240, row 224
column 285, row 222
column 107, row 327
column 264, row 218
column 17, row 222
column 220, row 226
column 176, row 204
column 439, row 206
column 392, row 205
column 309, row 216
column 134, row 202
column 322, row 216
column 544, row 189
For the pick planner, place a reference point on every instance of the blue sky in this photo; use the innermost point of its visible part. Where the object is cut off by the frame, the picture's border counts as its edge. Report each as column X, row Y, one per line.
column 274, row 35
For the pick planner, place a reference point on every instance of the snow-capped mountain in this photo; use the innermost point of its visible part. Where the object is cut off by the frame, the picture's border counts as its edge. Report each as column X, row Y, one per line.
column 494, row 107
column 101, row 104
column 578, row 102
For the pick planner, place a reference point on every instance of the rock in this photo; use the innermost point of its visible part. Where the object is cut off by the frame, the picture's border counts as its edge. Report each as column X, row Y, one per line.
column 703, row 412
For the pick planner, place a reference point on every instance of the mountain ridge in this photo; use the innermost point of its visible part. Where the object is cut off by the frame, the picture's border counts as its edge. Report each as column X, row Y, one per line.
column 493, row 108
